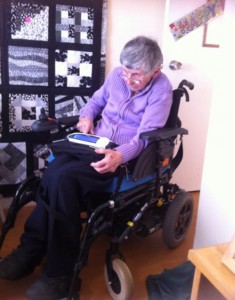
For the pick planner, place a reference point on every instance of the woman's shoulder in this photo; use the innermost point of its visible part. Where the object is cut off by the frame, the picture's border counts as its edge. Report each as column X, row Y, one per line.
column 162, row 81
column 115, row 71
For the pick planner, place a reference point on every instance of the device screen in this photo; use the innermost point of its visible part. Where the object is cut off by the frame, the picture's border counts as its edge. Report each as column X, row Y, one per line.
column 86, row 138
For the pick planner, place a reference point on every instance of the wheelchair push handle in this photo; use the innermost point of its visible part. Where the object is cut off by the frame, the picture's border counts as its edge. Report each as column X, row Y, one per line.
column 182, row 89
column 186, row 83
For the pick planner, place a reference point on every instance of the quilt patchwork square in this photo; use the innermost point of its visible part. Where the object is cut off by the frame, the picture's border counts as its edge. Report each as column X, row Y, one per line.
column 13, row 163
column 24, row 109
column 69, row 105
column 28, row 66
column 73, row 68
column 29, row 21
column 74, row 24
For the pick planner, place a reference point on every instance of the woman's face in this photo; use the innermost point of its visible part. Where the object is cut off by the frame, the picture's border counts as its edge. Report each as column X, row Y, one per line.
column 137, row 79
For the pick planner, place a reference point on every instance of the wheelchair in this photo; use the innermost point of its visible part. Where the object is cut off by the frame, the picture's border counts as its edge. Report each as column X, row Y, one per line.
column 141, row 202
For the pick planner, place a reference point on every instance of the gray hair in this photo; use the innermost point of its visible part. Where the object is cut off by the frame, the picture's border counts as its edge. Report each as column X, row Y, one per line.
column 141, row 53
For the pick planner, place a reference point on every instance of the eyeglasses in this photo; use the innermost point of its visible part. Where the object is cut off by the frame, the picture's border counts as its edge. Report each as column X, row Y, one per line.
column 132, row 76
column 130, row 79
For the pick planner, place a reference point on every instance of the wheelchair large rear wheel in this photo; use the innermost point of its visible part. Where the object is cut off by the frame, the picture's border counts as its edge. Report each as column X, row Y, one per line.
column 177, row 219
column 121, row 285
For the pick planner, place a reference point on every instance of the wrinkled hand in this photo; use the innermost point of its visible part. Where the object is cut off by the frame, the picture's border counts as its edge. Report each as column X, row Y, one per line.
column 85, row 125
column 109, row 163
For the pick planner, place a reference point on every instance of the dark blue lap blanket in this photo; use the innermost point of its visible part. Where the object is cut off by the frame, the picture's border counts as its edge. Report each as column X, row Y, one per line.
column 172, row 284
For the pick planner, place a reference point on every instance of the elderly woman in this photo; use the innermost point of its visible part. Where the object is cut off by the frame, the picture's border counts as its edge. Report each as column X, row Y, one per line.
column 135, row 97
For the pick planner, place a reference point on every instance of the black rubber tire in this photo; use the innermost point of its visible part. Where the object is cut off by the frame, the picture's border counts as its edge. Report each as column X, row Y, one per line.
column 177, row 219
column 123, row 285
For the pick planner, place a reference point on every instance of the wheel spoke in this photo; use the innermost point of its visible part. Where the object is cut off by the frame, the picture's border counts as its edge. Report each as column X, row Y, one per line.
column 183, row 220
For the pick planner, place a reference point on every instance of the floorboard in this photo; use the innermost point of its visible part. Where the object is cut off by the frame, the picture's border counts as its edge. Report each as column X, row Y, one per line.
column 144, row 256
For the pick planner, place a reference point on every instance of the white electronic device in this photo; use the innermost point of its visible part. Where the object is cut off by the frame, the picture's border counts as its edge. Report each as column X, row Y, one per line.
column 93, row 141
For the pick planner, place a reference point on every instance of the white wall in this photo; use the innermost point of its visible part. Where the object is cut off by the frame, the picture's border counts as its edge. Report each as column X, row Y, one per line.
column 216, row 214
column 129, row 18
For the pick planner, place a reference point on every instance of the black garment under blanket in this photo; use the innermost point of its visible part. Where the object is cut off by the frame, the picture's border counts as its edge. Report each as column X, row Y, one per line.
column 64, row 184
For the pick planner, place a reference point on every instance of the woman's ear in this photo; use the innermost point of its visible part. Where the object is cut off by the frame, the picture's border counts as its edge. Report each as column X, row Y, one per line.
column 156, row 72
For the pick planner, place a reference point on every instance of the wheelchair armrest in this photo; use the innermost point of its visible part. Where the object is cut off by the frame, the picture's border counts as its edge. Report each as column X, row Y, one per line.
column 68, row 121
column 162, row 133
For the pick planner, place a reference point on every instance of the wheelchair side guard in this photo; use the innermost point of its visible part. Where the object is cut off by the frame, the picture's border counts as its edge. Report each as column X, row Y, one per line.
column 158, row 155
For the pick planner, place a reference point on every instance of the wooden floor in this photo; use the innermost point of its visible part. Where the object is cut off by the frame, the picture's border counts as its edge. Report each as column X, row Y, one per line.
column 143, row 257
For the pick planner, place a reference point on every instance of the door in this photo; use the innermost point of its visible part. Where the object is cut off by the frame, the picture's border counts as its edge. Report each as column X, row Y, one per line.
column 199, row 67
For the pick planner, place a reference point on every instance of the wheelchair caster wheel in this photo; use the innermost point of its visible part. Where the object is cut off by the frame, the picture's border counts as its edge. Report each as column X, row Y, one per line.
column 121, row 285
column 177, row 219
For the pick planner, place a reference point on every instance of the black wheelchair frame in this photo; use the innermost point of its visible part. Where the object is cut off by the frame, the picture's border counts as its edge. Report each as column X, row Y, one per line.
column 155, row 204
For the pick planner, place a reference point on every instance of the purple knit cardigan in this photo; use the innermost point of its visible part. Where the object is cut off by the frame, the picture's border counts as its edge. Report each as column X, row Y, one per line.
column 125, row 116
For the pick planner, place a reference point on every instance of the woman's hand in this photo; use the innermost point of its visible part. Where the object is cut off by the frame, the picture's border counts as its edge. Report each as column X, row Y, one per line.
column 85, row 125
column 109, row 163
